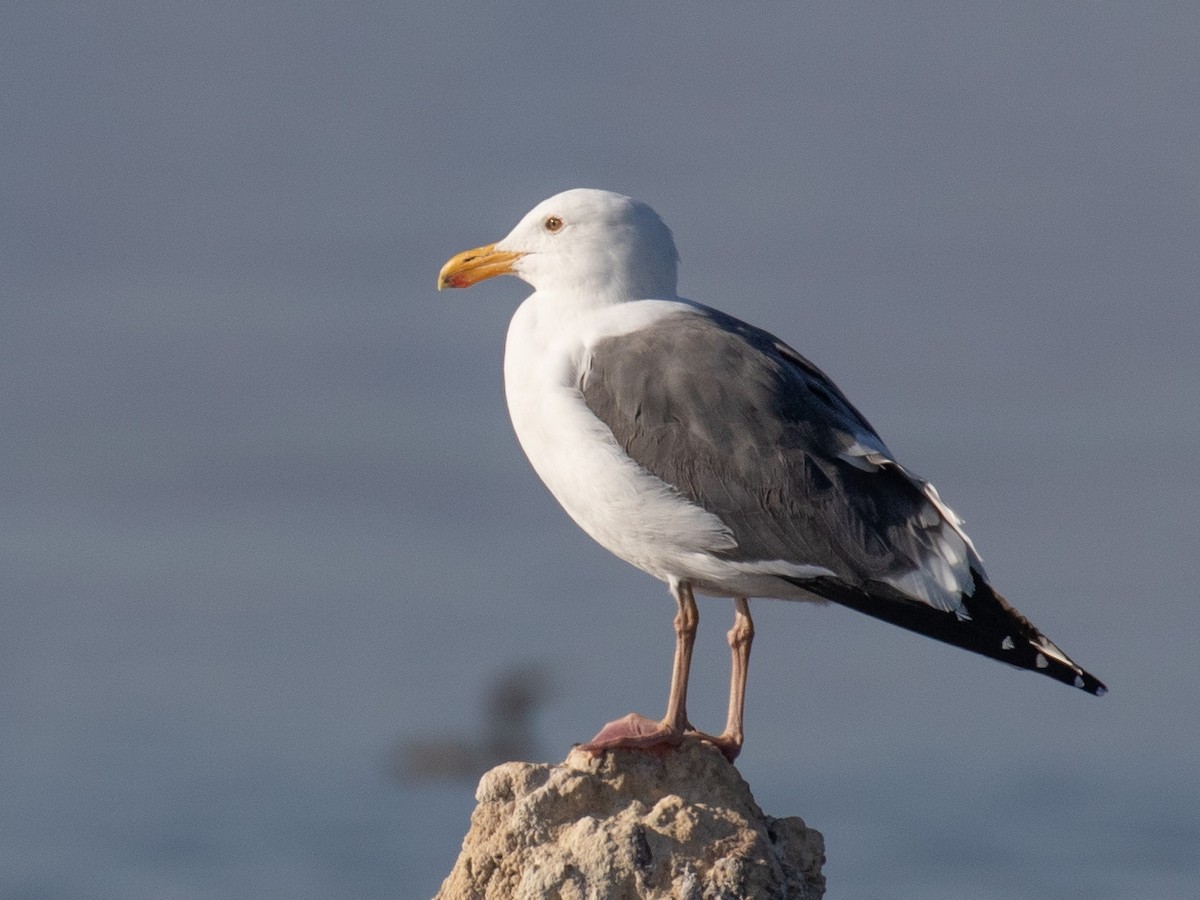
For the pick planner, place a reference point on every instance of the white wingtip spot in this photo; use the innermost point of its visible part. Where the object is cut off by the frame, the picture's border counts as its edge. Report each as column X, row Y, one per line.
column 1078, row 681
column 1007, row 643
column 1041, row 661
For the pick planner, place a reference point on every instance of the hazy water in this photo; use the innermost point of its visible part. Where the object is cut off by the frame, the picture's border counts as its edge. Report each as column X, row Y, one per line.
column 225, row 607
column 264, row 519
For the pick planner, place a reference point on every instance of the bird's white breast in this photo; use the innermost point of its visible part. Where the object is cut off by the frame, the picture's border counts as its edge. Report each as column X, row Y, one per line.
column 629, row 511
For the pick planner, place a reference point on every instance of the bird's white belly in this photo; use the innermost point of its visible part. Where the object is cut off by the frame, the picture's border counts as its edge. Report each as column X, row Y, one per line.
column 625, row 508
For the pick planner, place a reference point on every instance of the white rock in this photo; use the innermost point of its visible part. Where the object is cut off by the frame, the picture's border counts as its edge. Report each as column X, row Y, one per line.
column 681, row 825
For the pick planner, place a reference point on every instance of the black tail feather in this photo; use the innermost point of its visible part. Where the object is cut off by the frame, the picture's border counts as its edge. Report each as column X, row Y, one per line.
column 991, row 628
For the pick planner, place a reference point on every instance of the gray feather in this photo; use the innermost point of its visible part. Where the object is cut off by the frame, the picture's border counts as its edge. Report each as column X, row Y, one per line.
column 747, row 428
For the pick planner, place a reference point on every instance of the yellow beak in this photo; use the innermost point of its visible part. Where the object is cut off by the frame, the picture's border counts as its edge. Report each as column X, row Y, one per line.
column 472, row 266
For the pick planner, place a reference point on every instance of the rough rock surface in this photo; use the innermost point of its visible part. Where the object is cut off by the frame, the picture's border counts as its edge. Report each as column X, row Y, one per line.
column 681, row 825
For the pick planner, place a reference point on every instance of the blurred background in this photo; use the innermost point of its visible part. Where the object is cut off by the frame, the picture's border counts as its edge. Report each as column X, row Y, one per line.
column 272, row 565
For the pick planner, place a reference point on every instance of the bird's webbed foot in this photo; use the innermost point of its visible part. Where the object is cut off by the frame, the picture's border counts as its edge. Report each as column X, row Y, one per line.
column 634, row 732
column 730, row 745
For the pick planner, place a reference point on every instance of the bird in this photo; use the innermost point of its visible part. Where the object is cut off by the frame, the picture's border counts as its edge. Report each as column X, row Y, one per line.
column 510, row 705
column 716, row 458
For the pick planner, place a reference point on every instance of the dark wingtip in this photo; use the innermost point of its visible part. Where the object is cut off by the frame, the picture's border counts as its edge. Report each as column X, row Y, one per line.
column 1091, row 684
column 1073, row 674
column 992, row 627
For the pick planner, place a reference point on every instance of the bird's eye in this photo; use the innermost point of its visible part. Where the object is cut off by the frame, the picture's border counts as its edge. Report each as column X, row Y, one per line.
column 553, row 224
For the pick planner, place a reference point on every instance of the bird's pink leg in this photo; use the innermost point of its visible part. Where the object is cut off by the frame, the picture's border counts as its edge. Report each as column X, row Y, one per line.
column 741, row 636
column 640, row 733
column 687, row 620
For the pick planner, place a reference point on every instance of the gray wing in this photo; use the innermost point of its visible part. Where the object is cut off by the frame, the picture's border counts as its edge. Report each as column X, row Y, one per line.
column 744, row 426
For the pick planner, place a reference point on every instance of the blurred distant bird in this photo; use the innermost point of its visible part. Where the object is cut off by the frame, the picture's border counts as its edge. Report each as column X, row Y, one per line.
column 715, row 457
column 506, row 732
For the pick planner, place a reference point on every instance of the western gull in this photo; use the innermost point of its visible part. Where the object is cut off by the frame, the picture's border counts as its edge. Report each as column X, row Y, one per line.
column 713, row 456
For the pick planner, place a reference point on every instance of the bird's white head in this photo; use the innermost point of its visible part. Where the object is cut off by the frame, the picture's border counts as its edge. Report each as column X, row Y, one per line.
column 582, row 242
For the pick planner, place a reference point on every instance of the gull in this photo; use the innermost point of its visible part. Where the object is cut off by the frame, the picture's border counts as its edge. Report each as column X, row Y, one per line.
column 711, row 455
